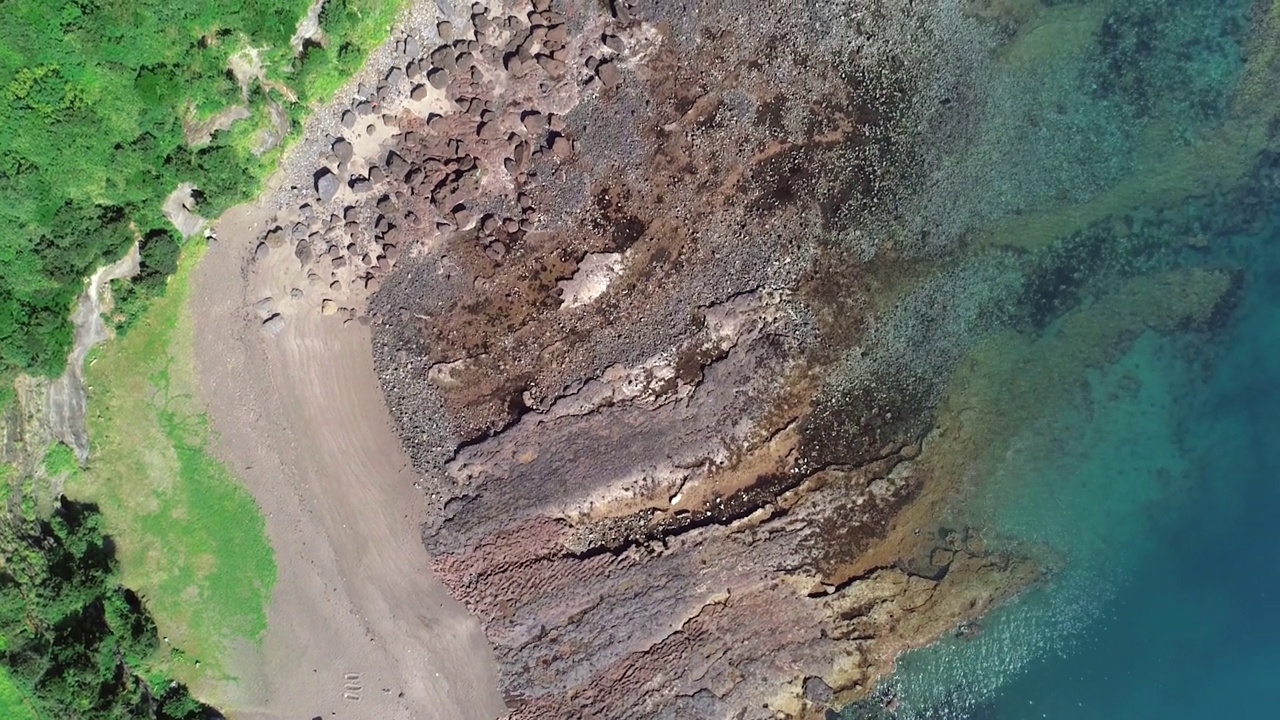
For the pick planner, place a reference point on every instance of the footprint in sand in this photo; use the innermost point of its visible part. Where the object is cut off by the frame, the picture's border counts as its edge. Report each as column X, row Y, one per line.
column 351, row 686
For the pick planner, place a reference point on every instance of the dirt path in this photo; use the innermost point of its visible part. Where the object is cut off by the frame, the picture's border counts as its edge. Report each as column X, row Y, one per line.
column 358, row 625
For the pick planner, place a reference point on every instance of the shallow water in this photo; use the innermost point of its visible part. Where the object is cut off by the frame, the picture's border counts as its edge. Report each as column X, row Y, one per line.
column 1193, row 628
column 1156, row 494
column 1159, row 492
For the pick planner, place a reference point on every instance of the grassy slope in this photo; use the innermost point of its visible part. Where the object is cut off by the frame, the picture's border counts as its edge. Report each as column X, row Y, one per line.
column 14, row 703
column 190, row 538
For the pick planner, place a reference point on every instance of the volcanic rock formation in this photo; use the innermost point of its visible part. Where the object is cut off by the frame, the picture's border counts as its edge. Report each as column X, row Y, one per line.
column 673, row 303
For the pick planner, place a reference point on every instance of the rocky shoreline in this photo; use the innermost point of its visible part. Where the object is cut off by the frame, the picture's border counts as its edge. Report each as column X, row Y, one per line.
column 664, row 311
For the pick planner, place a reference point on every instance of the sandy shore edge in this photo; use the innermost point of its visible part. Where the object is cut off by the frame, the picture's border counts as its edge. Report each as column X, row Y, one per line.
column 358, row 625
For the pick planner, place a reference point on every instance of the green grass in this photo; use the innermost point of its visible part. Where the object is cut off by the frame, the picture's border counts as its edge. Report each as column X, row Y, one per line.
column 91, row 141
column 94, row 100
column 15, row 704
column 190, row 538
column 60, row 460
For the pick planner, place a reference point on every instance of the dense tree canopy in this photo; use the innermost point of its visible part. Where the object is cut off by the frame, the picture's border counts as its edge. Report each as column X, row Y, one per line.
column 78, row 643
column 93, row 100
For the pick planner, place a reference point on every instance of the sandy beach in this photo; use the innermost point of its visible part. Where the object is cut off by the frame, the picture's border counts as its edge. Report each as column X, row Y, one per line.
column 358, row 624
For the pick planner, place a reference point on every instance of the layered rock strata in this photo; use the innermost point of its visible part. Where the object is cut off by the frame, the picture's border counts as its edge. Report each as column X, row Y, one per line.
column 667, row 299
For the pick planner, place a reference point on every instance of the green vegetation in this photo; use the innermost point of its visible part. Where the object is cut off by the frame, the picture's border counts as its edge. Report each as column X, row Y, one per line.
column 190, row 538
column 60, row 460
column 75, row 643
column 15, row 703
column 96, row 101
column 105, row 108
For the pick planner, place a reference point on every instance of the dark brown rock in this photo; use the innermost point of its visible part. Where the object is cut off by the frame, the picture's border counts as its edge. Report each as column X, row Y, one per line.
column 609, row 74
column 550, row 65
column 613, row 42
column 561, row 147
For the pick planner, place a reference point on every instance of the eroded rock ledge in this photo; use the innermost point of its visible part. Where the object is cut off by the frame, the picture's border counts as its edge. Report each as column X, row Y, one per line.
column 640, row 358
column 666, row 320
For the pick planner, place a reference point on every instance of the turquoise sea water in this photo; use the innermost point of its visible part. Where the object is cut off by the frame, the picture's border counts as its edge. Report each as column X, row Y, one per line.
column 1158, row 489
column 1165, row 507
